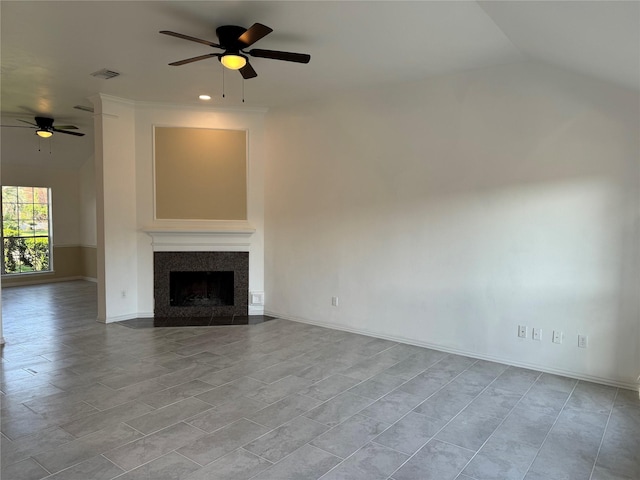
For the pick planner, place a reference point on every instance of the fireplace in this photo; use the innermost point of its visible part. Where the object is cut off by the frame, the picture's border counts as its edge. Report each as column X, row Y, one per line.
column 201, row 284
column 200, row 289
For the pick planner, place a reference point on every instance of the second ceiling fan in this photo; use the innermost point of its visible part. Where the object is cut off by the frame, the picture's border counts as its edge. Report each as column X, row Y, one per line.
column 234, row 40
column 45, row 128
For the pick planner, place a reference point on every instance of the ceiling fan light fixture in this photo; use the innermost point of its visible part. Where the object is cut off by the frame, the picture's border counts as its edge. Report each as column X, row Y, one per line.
column 233, row 61
column 44, row 133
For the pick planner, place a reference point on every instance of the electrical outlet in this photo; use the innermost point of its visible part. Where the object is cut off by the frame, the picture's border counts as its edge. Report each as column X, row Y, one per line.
column 537, row 333
column 583, row 341
column 123, row 294
column 522, row 331
column 334, row 301
column 557, row 336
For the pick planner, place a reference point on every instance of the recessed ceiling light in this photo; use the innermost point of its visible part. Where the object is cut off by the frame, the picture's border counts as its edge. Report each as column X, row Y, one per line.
column 204, row 97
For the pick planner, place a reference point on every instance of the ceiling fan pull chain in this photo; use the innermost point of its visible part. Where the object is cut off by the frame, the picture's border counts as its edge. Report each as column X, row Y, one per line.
column 242, row 89
column 222, row 82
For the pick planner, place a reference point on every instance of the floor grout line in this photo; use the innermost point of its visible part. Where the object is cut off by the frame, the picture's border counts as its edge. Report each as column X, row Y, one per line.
column 604, row 432
column 555, row 421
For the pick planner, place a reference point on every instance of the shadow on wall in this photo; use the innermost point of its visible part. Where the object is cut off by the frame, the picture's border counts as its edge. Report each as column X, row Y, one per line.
column 450, row 211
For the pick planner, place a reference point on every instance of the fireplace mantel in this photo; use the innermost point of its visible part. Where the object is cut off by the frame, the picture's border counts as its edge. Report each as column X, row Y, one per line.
column 200, row 236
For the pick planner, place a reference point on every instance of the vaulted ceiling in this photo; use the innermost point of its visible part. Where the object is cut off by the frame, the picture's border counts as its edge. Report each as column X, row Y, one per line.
column 50, row 48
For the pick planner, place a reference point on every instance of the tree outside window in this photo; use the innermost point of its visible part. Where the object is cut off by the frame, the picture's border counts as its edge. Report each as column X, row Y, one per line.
column 26, row 229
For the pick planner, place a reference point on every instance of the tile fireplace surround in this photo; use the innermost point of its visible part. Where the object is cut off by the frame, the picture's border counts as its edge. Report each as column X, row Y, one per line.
column 166, row 262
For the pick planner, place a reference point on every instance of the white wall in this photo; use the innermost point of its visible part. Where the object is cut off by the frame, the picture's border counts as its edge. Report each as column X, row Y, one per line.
column 446, row 212
column 115, row 169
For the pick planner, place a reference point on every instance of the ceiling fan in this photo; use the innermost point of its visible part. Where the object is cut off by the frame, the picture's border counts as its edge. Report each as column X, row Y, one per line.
column 45, row 128
column 234, row 40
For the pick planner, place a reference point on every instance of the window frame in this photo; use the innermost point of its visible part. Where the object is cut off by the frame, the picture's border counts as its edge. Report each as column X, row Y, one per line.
column 49, row 236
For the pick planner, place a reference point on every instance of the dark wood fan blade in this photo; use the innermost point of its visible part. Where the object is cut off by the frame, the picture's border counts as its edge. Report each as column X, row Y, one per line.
column 254, row 33
column 194, row 59
column 24, row 121
column 248, row 72
column 187, row 37
column 77, row 134
column 276, row 55
column 67, row 127
column 15, row 126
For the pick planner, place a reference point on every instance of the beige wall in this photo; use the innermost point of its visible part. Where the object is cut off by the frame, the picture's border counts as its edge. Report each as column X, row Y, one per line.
column 88, row 261
column 200, row 174
column 69, row 262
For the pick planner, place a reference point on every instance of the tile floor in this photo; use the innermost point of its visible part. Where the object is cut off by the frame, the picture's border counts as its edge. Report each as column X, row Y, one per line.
column 283, row 400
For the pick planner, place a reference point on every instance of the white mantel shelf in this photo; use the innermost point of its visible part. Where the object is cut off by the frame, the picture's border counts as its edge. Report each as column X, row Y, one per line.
column 198, row 231
column 229, row 236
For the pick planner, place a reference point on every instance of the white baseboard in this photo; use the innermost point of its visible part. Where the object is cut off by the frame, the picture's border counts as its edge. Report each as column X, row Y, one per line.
column 128, row 316
column 120, row 318
column 507, row 361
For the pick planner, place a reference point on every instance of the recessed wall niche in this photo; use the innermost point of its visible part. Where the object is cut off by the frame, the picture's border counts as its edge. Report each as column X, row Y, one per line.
column 200, row 174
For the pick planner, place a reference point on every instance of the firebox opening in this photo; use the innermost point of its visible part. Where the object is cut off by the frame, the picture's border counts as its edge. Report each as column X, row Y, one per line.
column 201, row 289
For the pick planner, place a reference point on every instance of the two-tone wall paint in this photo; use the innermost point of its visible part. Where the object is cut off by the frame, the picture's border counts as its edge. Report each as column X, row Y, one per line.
column 125, row 201
column 73, row 209
column 442, row 213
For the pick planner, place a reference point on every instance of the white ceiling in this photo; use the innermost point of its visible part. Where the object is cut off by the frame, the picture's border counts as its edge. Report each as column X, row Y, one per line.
column 49, row 49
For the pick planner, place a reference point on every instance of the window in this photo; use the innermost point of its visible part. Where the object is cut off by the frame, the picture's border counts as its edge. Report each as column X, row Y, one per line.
column 26, row 229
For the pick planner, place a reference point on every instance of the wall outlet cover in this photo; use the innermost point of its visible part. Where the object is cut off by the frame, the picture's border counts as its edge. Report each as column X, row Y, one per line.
column 583, row 341
column 522, row 331
column 537, row 333
column 257, row 298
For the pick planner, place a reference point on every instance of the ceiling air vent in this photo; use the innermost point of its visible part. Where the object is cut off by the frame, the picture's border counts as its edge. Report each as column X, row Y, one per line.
column 105, row 73
column 83, row 108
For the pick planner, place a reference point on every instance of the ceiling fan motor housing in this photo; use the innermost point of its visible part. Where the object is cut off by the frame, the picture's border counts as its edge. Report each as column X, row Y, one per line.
column 229, row 36
column 44, row 123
